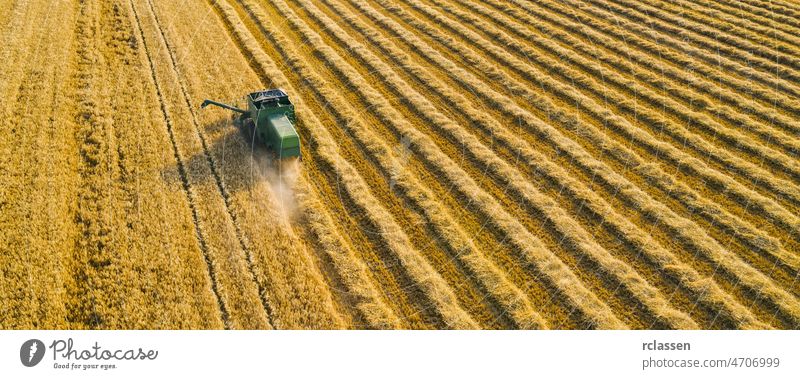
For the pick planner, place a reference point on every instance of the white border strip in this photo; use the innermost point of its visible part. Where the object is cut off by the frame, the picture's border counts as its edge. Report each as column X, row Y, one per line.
column 401, row 354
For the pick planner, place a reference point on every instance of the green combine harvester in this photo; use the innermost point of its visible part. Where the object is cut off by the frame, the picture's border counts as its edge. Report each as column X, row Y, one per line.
column 272, row 115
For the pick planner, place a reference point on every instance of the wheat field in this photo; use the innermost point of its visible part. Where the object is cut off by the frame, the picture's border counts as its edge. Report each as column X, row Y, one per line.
column 494, row 164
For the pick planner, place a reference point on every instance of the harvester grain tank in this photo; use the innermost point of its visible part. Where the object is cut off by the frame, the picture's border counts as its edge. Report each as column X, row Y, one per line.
column 272, row 115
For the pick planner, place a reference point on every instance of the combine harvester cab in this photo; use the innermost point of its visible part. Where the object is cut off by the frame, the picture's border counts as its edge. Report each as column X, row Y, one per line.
column 272, row 114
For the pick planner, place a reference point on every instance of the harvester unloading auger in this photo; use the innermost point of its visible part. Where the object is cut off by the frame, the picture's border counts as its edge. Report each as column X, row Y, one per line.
column 272, row 115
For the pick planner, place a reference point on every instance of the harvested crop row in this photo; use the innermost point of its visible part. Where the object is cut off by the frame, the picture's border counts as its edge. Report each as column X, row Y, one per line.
column 535, row 159
column 661, row 61
column 788, row 7
column 530, row 244
column 572, row 233
column 508, row 304
column 384, row 119
column 738, row 15
column 738, row 191
column 705, row 35
column 485, row 272
column 560, row 52
column 701, row 36
column 786, row 257
column 754, row 30
column 396, row 290
column 699, row 241
column 756, row 243
column 333, row 59
column 782, row 11
column 774, row 18
column 768, row 88
column 363, row 295
column 721, row 217
column 682, row 56
column 781, row 228
column 655, row 76
column 679, row 133
column 429, row 282
column 489, row 278
column 493, row 128
column 486, row 237
column 771, row 209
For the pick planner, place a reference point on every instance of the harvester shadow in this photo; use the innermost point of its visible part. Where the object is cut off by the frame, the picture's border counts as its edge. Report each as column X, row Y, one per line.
column 231, row 157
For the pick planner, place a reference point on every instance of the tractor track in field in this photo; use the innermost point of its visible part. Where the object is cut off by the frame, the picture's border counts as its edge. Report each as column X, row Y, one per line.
column 229, row 28
column 25, row 193
column 184, row 179
column 241, row 49
column 215, row 171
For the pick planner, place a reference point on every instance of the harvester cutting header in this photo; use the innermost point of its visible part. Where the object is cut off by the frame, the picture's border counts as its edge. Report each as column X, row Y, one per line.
column 272, row 115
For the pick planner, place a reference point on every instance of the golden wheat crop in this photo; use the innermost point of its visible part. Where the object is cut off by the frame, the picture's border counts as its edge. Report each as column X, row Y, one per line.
column 495, row 164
